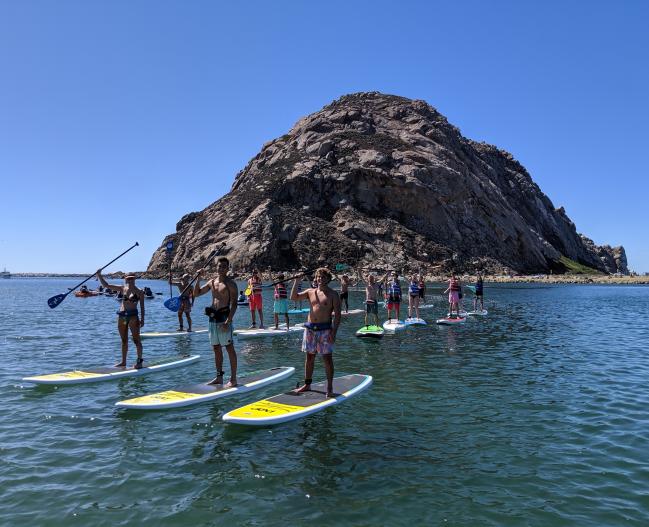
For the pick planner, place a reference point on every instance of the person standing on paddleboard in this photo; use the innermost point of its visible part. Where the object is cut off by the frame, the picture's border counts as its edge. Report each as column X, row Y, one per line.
column 221, row 313
column 413, row 296
column 128, row 316
column 319, row 330
column 280, row 306
column 422, row 289
column 453, row 291
column 372, row 299
column 255, row 299
column 186, row 301
column 345, row 282
column 479, row 293
column 393, row 292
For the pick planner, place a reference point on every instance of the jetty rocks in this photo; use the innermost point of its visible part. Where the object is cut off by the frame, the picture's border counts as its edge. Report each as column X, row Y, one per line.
column 381, row 181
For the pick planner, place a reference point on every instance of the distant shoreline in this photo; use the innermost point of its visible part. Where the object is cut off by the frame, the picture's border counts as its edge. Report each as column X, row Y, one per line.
column 518, row 279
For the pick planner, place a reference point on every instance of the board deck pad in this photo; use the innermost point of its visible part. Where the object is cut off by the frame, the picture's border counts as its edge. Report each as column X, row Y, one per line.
column 164, row 334
column 291, row 405
column 370, row 332
column 108, row 373
column 197, row 393
column 268, row 331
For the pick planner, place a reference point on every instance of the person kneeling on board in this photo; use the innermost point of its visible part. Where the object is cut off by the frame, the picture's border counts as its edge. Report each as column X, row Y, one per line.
column 221, row 313
column 128, row 316
column 319, row 331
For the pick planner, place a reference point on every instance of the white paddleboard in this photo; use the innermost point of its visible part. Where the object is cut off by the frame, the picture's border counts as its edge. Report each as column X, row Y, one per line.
column 414, row 321
column 462, row 314
column 482, row 313
column 426, row 306
column 393, row 325
column 269, row 331
column 165, row 334
column 200, row 393
column 109, row 373
column 450, row 321
column 290, row 405
column 352, row 312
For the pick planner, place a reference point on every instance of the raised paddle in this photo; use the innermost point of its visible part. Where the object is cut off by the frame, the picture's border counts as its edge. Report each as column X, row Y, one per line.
column 303, row 273
column 56, row 300
column 173, row 304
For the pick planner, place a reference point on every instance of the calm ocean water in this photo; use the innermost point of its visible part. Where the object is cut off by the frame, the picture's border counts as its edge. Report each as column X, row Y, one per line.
column 535, row 415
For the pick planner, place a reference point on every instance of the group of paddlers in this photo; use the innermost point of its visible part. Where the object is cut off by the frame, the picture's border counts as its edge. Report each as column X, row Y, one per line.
column 323, row 319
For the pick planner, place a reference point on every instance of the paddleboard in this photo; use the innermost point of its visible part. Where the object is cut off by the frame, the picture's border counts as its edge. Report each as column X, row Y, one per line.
column 268, row 331
column 483, row 313
column 298, row 311
column 450, row 321
column 242, row 303
column 162, row 334
column 352, row 312
column 426, row 306
column 374, row 332
column 109, row 373
column 200, row 393
column 462, row 314
column 414, row 321
column 290, row 405
column 393, row 325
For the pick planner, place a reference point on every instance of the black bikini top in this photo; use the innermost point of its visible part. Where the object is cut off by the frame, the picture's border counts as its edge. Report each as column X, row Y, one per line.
column 132, row 298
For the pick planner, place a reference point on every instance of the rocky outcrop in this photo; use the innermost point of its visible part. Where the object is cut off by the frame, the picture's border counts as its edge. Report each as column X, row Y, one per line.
column 384, row 181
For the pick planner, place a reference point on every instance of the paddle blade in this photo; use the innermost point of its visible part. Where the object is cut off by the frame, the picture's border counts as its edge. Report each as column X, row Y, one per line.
column 56, row 300
column 173, row 304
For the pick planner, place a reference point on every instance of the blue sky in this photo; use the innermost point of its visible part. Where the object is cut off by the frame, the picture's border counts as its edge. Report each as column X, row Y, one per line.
column 117, row 118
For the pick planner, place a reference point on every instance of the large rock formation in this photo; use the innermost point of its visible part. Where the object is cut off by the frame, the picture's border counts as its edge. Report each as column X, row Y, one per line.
column 384, row 181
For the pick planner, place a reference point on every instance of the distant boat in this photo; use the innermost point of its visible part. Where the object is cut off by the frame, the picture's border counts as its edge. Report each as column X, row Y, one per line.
column 5, row 274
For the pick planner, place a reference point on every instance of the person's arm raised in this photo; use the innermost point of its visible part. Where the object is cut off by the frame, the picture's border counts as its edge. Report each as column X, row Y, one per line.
column 304, row 295
column 103, row 282
column 198, row 290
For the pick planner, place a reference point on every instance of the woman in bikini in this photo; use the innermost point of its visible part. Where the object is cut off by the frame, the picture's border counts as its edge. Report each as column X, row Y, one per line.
column 128, row 316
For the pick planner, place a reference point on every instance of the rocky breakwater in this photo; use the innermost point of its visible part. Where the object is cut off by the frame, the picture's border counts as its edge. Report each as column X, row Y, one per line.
column 382, row 181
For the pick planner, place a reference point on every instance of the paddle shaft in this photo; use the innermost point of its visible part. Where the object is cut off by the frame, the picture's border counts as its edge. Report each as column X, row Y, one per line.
column 304, row 273
column 213, row 255
column 104, row 267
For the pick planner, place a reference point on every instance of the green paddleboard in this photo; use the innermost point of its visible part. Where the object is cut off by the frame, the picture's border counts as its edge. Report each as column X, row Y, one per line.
column 372, row 332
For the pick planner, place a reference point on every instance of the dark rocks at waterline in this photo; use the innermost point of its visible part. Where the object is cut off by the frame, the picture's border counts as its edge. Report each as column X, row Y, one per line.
column 382, row 181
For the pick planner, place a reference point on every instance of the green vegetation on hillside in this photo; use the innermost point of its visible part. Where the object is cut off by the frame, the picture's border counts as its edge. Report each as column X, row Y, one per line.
column 577, row 268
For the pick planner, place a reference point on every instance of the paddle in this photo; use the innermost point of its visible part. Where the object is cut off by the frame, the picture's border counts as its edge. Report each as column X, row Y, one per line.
column 303, row 273
column 56, row 300
column 173, row 304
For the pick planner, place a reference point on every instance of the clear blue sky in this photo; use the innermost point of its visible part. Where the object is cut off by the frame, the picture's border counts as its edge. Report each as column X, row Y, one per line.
column 118, row 117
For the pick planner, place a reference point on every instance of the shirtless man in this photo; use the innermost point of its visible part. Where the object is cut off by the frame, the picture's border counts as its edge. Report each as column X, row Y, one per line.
column 345, row 282
column 186, row 301
column 221, row 313
column 372, row 299
column 319, row 331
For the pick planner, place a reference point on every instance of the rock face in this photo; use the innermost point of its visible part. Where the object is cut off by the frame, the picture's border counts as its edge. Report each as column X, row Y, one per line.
column 383, row 181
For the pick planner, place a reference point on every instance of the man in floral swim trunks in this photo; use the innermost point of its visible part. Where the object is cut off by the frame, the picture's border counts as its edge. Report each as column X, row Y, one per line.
column 319, row 330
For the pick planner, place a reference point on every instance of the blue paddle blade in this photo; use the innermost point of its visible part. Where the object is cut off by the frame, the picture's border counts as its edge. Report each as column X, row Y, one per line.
column 173, row 304
column 56, row 300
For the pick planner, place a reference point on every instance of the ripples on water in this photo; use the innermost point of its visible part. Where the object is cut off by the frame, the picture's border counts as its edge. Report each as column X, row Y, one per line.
column 534, row 415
